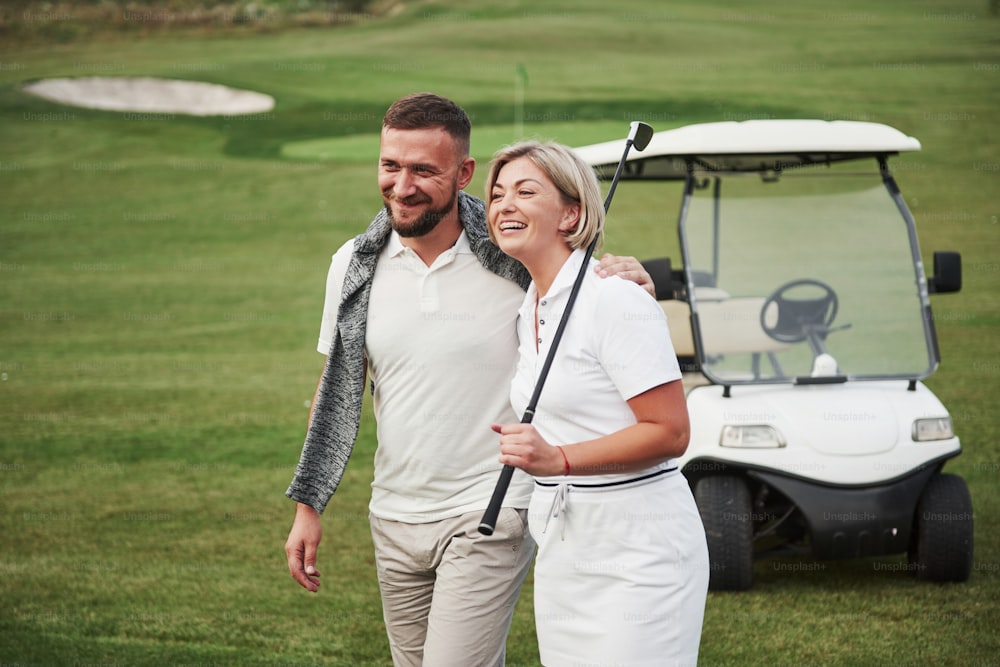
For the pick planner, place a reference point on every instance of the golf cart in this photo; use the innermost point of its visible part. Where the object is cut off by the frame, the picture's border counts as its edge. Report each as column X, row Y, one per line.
column 801, row 318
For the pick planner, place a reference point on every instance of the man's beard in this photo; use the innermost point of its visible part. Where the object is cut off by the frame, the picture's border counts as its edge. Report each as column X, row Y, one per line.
column 423, row 225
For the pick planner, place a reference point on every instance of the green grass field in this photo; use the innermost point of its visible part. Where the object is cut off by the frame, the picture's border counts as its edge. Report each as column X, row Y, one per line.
column 161, row 284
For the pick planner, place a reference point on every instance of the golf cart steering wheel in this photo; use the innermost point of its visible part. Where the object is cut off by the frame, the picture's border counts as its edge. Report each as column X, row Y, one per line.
column 798, row 319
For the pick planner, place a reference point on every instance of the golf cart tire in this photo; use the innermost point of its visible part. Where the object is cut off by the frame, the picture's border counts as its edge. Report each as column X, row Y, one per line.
column 724, row 504
column 941, row 548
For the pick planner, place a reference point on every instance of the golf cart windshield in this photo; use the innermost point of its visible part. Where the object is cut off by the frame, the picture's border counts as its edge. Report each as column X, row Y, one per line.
column 804, row 275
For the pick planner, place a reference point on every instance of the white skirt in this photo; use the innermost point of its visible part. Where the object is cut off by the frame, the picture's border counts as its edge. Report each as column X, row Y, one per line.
column 621, row 574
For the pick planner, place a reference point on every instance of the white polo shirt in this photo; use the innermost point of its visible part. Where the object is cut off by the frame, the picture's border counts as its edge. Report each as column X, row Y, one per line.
column 616, row 345
column 441, row 348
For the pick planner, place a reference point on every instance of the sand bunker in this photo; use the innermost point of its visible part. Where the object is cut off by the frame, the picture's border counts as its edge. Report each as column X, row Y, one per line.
column 145, row 94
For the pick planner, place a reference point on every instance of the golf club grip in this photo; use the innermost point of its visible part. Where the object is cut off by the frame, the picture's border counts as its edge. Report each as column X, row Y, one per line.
column 489, row 521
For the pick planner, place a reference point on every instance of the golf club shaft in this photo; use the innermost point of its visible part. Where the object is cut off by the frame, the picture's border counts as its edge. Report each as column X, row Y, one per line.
column 488, row 523
column 489, row 520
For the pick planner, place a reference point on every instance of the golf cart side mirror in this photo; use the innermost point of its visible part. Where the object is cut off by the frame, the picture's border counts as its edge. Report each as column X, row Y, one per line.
column 947, row 273
column 660, row 270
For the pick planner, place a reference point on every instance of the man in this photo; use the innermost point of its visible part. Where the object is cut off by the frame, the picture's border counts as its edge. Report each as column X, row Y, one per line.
column 425, row 304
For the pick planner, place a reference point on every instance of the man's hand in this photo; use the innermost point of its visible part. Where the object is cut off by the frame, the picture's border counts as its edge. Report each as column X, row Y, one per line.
column 303, row 540
column 627, row 268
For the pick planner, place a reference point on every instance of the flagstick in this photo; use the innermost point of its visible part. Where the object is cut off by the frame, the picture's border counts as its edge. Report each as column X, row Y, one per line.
column 519, row 76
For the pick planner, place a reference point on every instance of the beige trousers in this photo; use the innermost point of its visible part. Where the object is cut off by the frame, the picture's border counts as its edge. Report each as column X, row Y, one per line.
column 448, row 592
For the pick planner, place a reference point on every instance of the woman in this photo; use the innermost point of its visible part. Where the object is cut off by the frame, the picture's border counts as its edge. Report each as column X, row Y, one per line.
column 621, row 574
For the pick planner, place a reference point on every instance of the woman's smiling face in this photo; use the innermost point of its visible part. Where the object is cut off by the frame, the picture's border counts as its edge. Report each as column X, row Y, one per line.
column 527, row 213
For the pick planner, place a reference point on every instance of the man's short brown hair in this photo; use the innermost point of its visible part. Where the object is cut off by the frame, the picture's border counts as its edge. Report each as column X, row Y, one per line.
column 423, row 111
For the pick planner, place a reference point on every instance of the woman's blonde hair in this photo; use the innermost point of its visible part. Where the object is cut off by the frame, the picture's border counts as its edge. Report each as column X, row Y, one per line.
column 574, row 179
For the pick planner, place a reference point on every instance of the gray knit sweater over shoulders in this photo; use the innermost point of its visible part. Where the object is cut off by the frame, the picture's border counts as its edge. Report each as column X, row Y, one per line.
column 337, row 413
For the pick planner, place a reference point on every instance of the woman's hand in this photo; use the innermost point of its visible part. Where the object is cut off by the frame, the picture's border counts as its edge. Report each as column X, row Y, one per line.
column 521, row 446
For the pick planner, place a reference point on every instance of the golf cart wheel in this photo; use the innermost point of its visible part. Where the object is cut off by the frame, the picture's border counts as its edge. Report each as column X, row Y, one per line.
column 724, row 504
column 941, row 548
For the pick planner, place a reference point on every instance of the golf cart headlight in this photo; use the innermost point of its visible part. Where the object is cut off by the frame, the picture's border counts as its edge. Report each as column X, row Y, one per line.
column 935, row 428
column 751, row 436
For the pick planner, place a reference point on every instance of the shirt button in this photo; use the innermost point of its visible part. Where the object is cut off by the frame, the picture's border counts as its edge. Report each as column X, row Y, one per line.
column 545, row 302
column 539, row 341
column 541, row 322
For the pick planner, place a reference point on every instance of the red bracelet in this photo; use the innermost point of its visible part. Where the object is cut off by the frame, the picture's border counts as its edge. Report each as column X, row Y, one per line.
column 565, row 460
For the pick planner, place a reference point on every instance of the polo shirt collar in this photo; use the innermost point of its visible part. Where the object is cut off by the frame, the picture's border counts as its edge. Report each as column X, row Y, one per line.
column 394, row 246
column 566, row 276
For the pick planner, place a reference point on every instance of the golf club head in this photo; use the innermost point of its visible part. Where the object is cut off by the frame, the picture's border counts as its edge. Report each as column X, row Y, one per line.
column 640, row 133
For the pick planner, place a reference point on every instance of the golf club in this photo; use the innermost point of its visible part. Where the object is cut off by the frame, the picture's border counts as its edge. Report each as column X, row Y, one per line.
column 639, row 135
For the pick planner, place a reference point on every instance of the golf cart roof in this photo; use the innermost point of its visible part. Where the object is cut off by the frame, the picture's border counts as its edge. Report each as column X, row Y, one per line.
column 752, row 145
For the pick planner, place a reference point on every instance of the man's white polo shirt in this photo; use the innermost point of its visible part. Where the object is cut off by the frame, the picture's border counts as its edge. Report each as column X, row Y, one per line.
column 441, row 345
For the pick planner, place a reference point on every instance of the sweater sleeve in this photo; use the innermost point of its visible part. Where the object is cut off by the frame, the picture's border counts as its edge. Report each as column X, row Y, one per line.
column 333, row 429
column 337, row 413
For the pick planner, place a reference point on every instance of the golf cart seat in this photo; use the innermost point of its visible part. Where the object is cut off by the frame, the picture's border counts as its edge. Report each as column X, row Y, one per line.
column 729, row 325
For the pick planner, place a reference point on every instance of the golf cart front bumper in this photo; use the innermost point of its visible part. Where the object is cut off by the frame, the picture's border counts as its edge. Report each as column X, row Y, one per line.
column 859, row 522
